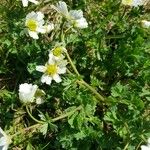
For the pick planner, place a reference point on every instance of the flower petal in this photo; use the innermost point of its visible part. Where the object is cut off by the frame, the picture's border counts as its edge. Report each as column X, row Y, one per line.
column 46, row 79
column 62, row 70
column 61, row 7
column 76, row 14
column 81, row 23
column 49, row 27
column 33, row 34
column 57, row 78
column 34, row 1
column 41, row 68
column 25, row 3
column 41, row 29
column 5, row 147
column 40, row 15
column 143, row 147
column 2, row 141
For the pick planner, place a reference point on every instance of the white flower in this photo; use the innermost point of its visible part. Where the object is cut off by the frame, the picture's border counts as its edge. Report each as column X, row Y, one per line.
column 57, row 53
column 145, row 23
column 75, row 17
column 25, row 2
column 49, row 27
column 61, row 7
column 35, row 24
column 78, row 20
column 51, row 70
column 27, row 92
column 134, row 3
column 4, row 140
column 146, row 147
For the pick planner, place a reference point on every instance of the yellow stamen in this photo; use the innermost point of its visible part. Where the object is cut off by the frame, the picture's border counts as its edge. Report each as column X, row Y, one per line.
column 31, row 24
column 127, row 2
column 57, row 51
column 51, row 69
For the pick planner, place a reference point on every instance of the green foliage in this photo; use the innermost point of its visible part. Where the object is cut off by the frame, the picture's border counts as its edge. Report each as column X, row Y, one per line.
column 112, row 57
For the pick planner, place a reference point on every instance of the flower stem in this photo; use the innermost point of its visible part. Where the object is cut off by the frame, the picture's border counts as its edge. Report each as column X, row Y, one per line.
column 100, row 97
column 38, row 121
column 25, row 129
column 72, row 65
column 82, row 82
column 39, row 124
column 66, row 114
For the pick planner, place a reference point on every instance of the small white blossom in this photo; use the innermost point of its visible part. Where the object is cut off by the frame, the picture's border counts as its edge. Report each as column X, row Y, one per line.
column 78, row 20
column 52, row 70
column 57, row 53
column 27, row 92
column 49, row 27
column 35, row 24
column 146, row 147
column 61, row 7
column 4, row 140
column 145, row 23
column 133, row 3
column 25, row 2
column 75, row 17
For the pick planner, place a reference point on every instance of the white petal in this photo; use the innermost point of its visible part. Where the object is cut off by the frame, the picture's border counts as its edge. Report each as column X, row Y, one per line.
column 41, row 68
column 76, row 14
column 2, row 132
column 46, row 79
column 39, row 100
column 25, row 87
column 143, row 147
column 62, row 70
column 5, row 147
column 40, row 15
column 27, row 92
column 145, row 23
column 31, row 15
column 34, row 1
column 25, row 3
column 81, row 23
column 61, row 7
column 49, row 27
column 41, row 29
column 33, row 34
column 136, row 3
column 2, row 141
column 57, row 78
column 51, row 59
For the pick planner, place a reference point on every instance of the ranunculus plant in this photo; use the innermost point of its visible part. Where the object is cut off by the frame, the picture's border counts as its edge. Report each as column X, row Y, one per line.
column 74, row 75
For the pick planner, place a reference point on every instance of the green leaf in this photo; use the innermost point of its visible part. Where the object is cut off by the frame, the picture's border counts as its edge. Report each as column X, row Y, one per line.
column 71, row 119
column 44, row 128
column 29, row 147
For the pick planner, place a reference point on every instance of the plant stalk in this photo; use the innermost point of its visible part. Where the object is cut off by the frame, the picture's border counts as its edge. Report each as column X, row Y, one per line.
column 38, row 121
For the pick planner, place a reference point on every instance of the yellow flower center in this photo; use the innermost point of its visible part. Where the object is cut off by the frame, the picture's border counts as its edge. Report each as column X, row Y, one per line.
column 57, row 51
column 127, row 2
column 31, row 24
column 51, row 69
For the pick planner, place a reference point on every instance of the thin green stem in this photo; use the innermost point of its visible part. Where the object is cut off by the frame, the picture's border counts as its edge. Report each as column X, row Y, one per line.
column 39, row 124
column 100, row 97
column 66, row 114
column 71, row 63
column 25, row 129
column 139, row 145
column 82, row 82
column 126, row 146
column 38, row 121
